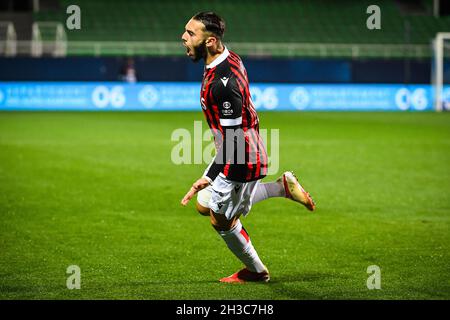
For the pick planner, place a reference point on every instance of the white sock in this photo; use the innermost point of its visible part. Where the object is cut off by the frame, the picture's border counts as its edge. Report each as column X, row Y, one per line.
column 268, row 190
column 239, row 243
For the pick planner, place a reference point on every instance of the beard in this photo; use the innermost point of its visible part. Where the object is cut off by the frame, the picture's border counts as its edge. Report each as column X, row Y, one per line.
column 199, row 52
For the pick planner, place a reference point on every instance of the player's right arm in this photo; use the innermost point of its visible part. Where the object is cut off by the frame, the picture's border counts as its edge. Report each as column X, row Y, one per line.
column 198, row 185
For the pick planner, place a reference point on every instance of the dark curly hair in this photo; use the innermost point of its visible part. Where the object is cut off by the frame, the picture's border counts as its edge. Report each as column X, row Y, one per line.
column 213, row 23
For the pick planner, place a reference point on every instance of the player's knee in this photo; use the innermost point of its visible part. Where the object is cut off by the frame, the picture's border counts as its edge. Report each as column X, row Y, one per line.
column 220, row 226
column 203, row 198
column 204, row 211
column 221, row 223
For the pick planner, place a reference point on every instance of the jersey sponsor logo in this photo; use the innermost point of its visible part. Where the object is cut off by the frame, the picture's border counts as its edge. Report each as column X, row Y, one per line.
column 226, row 111
column 224, row 81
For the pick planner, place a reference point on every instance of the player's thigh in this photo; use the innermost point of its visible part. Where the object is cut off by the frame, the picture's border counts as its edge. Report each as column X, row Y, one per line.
column 224, row 203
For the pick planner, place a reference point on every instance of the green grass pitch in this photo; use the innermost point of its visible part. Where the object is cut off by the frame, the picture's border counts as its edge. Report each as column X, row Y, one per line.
column 99, row 190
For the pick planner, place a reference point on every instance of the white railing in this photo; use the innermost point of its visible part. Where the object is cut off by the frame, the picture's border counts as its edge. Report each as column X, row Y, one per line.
column 321, row 50
column 99, row 48
column 324, row 50
column 62, row 47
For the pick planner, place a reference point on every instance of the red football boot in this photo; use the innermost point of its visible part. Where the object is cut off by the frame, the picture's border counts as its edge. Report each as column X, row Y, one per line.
column 246, row 275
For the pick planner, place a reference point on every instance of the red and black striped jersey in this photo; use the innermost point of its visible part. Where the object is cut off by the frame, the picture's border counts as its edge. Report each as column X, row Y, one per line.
column 230, row 113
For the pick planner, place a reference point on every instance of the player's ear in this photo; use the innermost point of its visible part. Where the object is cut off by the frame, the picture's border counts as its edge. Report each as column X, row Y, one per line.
column 211, row 41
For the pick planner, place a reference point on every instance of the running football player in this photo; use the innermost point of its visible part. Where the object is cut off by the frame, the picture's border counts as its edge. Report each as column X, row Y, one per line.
column 231, row 183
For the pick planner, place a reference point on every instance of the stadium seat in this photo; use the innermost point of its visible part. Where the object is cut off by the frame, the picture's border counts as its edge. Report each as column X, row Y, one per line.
column 307, row 21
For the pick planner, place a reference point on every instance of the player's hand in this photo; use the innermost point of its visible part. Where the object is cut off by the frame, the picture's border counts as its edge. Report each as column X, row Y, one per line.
column 198, row 185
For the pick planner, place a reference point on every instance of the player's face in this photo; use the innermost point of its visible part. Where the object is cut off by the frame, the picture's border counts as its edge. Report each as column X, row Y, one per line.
column 194, row 40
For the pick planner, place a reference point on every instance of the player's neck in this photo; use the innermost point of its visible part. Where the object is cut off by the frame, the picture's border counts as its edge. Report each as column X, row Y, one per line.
column 211, row 56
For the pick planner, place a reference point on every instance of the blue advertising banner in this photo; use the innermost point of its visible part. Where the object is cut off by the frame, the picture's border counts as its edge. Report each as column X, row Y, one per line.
column 173, row 96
